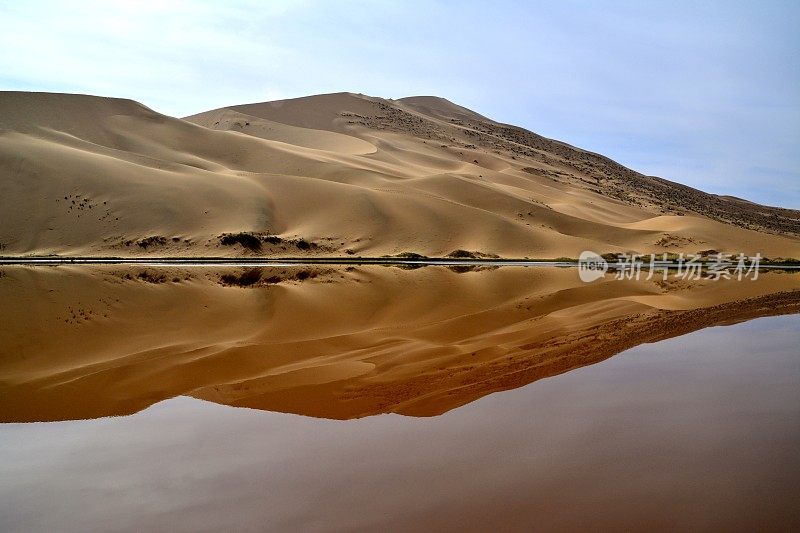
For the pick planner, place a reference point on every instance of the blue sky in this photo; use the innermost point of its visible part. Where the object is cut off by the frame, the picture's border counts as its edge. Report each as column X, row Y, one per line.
column 704, row 93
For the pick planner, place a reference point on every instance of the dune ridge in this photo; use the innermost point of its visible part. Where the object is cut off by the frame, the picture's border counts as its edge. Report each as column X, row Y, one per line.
column 346, row 173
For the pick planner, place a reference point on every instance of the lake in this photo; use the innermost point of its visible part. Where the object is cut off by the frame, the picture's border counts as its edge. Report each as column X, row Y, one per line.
column 383, row 398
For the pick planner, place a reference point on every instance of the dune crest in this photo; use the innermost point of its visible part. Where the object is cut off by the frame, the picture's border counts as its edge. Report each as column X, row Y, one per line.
column 349, row 174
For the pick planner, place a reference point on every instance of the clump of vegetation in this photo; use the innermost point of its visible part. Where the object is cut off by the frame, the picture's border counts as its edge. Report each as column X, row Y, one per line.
column 407, row 266
column 408, row 255
column 466, row 254
column 253, row 241
column 245, row 279
column 152, row 277
column 246, row 240
column 706, row 253
column 147, row 242
column 252, row 277
column 462, row 254
column 789, row 261
column 461, row 269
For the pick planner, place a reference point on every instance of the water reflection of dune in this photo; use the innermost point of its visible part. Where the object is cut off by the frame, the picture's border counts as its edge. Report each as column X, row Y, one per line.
column 334, row 343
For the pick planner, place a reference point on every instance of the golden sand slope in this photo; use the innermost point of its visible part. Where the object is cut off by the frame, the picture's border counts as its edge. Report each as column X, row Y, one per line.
column 347, row 173
column 330, row 342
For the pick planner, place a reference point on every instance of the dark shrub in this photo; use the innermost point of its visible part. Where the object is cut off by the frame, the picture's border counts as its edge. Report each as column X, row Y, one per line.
column 152, row 277
column 152, row 241
column 247, row 240
column 461, row 254
column 245, row 279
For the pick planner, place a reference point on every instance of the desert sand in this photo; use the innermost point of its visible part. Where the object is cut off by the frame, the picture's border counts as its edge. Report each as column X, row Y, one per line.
column 331, row 342
column 338, row 175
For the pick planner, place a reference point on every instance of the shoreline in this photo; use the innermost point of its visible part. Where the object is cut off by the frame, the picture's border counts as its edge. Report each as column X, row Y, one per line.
column 287, row 261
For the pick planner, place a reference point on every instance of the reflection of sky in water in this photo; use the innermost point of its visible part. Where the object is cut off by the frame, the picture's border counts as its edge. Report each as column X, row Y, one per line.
column 701, row 427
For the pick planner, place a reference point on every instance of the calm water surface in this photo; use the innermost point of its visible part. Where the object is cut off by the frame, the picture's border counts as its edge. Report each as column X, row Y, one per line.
column 700, row 432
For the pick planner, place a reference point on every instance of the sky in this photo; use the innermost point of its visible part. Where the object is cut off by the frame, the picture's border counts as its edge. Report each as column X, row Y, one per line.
column 703, row 93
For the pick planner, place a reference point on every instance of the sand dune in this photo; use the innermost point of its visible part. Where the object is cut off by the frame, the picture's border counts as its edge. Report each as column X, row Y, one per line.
column 84, row 342
column 347, row 173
